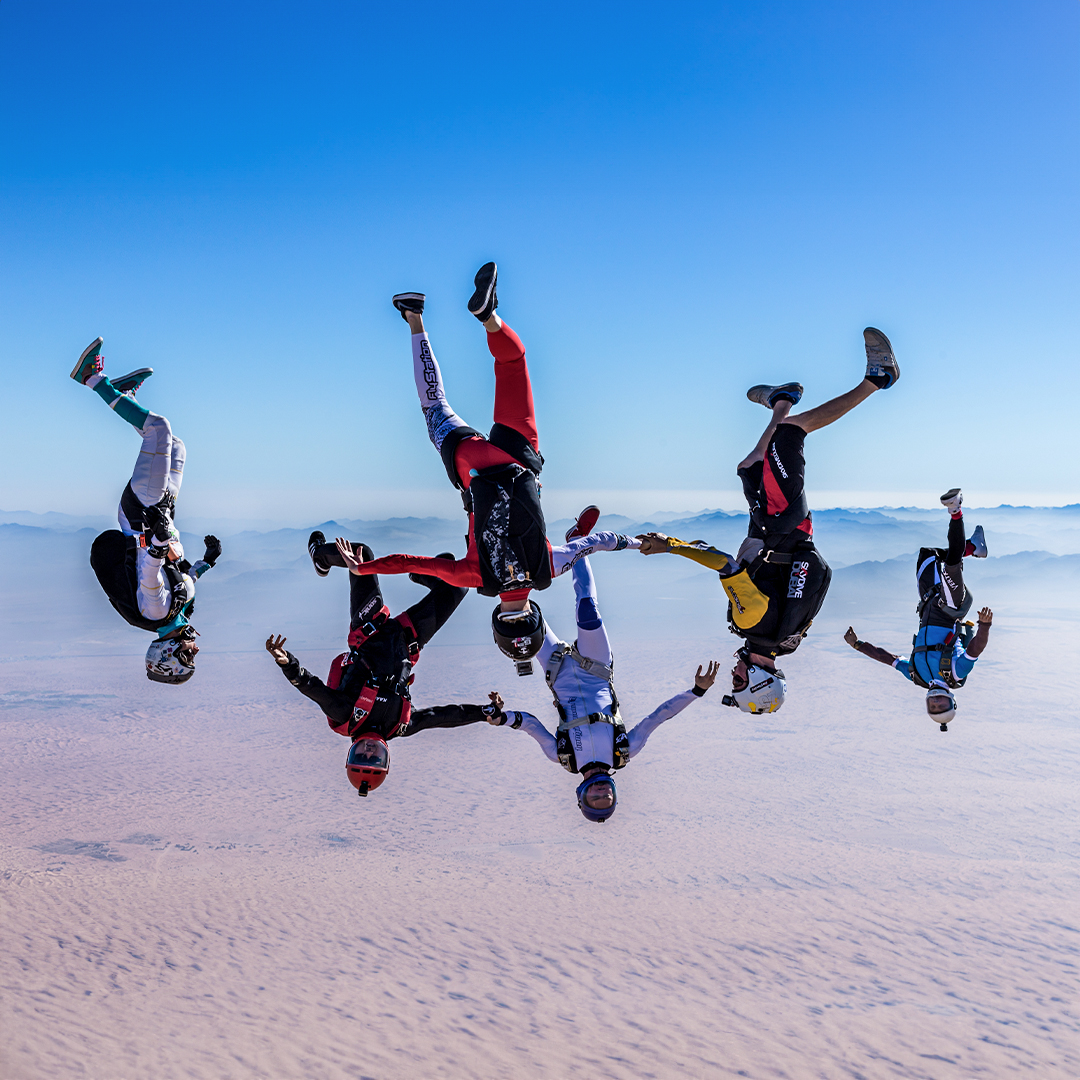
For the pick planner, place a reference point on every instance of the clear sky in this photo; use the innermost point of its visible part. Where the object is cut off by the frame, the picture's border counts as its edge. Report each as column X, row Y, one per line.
column 683, row 200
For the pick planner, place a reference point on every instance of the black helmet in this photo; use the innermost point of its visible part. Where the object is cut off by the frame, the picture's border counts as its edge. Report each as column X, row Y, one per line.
column 519, row 634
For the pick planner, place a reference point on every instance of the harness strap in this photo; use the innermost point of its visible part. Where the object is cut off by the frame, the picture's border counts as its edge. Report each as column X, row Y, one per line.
column 370, row 628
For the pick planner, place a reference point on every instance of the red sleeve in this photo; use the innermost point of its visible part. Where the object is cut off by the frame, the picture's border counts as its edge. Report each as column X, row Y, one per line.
column 457, row 572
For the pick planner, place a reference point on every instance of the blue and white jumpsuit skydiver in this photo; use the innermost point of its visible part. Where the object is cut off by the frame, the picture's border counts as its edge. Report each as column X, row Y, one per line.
column 591, row 738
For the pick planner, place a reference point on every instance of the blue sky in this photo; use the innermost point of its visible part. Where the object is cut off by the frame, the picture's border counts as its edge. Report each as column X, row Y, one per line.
column 683, row 201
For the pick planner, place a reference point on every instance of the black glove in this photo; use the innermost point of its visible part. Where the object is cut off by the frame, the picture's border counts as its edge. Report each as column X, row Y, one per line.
column 213, row 549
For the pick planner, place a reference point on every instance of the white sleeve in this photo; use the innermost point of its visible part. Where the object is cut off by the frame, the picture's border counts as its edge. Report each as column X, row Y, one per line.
column 672, row 707
column 528, row 723
column 565, row 555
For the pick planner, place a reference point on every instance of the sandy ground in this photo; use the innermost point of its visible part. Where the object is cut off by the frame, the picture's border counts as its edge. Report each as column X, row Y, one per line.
column 191, row 889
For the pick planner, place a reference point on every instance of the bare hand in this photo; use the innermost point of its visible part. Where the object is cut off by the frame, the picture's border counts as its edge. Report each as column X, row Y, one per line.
column 706, row 680
column 653, row 543
column 277, row 649
column 851, row 637
column 353, row 556
column 500, row 715
column 986, row 617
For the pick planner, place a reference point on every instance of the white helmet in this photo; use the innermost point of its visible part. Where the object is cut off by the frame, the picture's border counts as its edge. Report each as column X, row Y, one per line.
column 163, row 662
column 940, row 692
column 764, row 691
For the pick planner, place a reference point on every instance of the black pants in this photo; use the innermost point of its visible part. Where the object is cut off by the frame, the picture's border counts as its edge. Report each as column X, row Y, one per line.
column 775, row 484
column 365, row 596
column 948, row 563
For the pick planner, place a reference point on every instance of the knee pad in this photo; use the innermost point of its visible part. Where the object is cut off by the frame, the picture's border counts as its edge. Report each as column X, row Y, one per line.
column 588, row 614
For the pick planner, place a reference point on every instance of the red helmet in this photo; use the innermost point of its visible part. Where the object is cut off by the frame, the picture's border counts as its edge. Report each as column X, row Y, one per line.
column 368, row 762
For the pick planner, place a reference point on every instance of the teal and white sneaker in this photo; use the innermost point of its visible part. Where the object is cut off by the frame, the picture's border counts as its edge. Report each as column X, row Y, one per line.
column 129, row 384
column 770, row 395
column 881, row 366
column 976, row 546
column 90, row 363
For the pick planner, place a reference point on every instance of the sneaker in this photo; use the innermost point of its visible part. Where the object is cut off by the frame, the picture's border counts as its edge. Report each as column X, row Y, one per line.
column 409, row 301
column 952, row 500
column 316, row 540
column 976, row 546
column 159, row 533
column 881, row 366
column 129, row 384
column 90, row 363
column 430, row 581
column 586, row 522
column 770, row 395
column 485, row 300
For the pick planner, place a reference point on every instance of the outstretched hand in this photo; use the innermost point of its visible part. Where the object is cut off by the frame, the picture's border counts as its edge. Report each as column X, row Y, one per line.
column 851, row 637
column 213, row 549
column 500, row 714
column 653, row 543
column 706, row 680
column 353, row 556
column 276, row 648
column 986, row 617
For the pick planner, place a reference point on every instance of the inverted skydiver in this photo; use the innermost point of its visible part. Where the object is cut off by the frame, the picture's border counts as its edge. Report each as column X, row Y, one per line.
column 366, row 695
column 946, row 646
column 142, row 567
column 591, row 737
column 777, row 582
column 508, row 551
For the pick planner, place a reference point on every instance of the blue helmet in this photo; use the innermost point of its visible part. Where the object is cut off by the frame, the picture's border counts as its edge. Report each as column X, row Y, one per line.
column 598, row 788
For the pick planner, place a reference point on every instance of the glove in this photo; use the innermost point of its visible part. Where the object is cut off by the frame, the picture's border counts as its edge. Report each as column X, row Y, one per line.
column 213, row 550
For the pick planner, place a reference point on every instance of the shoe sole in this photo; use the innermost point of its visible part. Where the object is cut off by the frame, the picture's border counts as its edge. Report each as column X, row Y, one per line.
column 772, row 391
column 950, row 494
column 483, row 292
column 90, row 350
column 591, row 515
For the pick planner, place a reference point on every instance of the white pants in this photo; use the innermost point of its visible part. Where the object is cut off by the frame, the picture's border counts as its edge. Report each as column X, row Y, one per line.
column 159, row 468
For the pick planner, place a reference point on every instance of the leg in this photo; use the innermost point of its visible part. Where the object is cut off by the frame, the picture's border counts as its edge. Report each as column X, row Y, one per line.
column 952, row 572
column 439, row 416
column 154, row 596
column 365, row 597
column 513, row 390
column 127, row 408
column 779, row 413
column 430, row 614
column 592, row 639
column 831, row 411
column 153, row 473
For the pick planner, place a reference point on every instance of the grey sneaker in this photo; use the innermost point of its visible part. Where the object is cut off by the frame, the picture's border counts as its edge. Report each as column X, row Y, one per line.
column 881, row 366
column 977, row 544
column 952, row 500
column 770, row 395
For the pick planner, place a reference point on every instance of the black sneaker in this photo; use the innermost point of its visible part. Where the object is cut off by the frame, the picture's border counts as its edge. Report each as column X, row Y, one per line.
column 129, row 384
column 409, row 301
column 429, row 581
column 316, row 540
column 485, row 300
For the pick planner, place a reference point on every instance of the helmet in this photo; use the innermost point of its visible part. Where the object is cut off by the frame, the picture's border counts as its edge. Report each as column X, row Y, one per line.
column 368, row 762
column 764, row 691
column 169, row 660
column 519, row 634
column 945, row 709
column 598, row 788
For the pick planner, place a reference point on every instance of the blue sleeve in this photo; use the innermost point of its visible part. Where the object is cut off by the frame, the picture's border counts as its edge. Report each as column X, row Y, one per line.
column 903, row 666
column 962, row 665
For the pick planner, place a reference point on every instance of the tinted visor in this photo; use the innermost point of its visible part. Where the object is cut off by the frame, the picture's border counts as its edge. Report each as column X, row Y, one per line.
column 368, row 754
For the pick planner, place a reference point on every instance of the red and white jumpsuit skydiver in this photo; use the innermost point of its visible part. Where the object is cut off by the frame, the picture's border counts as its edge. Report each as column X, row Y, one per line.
column 508, row 552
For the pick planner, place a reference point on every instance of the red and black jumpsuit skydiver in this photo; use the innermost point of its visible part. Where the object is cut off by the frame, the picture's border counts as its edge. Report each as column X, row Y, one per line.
column 508, row 552
column 366, row 695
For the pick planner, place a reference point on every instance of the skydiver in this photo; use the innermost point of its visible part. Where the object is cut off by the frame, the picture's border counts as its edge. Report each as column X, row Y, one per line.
column 142, row 567
column 508, row 551
column 946, row 646
column 777, row 582
column 366, row 696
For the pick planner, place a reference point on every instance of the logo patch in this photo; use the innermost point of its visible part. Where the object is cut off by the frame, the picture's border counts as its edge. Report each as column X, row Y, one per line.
column 797, row 581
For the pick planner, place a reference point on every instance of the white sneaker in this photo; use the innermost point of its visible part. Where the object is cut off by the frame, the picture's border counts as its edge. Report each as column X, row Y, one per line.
column 951, row 500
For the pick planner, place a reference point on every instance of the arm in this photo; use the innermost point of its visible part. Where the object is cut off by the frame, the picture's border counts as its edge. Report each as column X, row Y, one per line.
column 867, row 649
column 699, row 551
column 210, row 556
column 498, row 717
column 334, row 704
column 982, row 635
column 565, row 555
column 639, row 736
